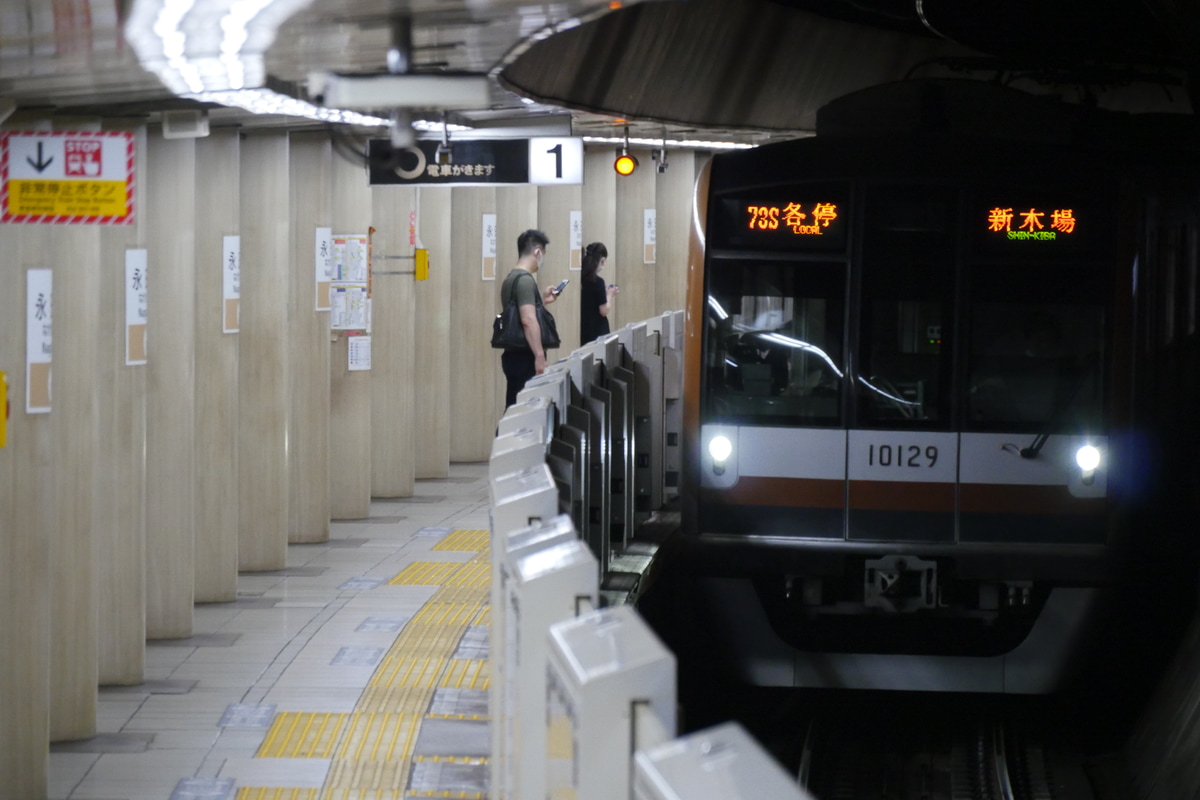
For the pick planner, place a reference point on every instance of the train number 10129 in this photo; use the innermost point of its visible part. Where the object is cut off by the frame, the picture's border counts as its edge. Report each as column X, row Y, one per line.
column 887, row 455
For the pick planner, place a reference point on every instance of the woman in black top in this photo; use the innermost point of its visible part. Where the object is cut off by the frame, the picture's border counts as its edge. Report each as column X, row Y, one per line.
column 595, row 299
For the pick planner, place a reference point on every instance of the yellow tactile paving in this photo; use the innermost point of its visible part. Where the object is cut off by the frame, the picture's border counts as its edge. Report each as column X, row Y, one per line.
column 467, row 674
column 301, row 734
column 426, row 573
column 408, row 672
column 371, row 749
column 249, row 793
column 472, row 540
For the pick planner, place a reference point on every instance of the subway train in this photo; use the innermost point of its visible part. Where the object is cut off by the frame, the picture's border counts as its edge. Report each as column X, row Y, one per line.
column 939, row 393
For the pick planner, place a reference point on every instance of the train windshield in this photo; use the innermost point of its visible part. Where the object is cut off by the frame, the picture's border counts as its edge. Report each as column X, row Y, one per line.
column 774, row 341
column 1035, row 366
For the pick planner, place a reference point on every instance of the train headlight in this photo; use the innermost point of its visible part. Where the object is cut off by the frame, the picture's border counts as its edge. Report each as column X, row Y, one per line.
column 720, row 448
column 1088, row 458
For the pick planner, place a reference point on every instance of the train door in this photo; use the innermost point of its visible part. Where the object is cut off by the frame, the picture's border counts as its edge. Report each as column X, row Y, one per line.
column 902, row 448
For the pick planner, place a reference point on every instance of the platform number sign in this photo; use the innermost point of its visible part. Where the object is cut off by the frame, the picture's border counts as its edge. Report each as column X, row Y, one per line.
column 555, row 160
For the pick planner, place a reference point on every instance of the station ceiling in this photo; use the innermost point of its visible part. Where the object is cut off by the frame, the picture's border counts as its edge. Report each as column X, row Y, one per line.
column 736, row 70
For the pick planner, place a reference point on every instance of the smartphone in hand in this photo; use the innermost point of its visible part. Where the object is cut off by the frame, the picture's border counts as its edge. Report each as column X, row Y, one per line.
column 558, row 289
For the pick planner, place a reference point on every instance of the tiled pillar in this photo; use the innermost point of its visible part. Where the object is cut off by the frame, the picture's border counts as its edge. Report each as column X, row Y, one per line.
column 474, row 366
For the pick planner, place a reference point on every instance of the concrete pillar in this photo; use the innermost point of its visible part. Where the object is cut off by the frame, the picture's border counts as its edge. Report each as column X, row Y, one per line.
column 432, row 334
column 311, row 175
column 350, row 398
column 554, row 206
column 637, row 279
column 263, row 353
column 673, row 199
column 218, row 215
column 170, row 392
column 120, row 505
column 517, row 212
column 474, row 366
column 26, row 503
column 394, row 342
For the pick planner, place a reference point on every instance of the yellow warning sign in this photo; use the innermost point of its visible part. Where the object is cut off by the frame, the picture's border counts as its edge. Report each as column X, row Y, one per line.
column 66, row 198
column 67, row 177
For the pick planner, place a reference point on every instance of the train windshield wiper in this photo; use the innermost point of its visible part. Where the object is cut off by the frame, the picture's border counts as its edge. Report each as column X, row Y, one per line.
column 1068, row 400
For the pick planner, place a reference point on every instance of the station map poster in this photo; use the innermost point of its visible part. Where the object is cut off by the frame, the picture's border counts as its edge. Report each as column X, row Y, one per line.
column 349, row 294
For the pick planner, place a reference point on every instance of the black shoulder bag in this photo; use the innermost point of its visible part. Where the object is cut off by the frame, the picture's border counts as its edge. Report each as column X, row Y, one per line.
column 507, row 331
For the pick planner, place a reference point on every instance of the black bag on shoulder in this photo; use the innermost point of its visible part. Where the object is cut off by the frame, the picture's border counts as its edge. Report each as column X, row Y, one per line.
column 508, row 333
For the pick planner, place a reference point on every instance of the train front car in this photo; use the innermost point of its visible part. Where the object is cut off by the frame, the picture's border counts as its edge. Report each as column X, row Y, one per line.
column 901, row 392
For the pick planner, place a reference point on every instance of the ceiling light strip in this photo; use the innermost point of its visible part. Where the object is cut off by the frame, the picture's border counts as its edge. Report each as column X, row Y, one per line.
column 692, row 143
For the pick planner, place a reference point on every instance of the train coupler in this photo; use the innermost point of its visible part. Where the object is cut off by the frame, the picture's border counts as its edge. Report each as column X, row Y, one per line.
column 900, row 584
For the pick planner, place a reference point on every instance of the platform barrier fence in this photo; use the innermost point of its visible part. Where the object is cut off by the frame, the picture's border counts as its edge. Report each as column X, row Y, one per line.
column 583, row 694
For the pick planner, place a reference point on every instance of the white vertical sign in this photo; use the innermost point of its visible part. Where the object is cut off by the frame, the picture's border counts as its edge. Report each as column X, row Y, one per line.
column 576, row 240
column 136, row 307
column 359, row 353
column 37, row 340
column 489, row 247
column 323, row 258
column 648, row 235
column 231, row 269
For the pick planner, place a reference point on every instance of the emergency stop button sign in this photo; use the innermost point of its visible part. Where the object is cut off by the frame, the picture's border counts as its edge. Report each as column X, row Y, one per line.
column 74, row 177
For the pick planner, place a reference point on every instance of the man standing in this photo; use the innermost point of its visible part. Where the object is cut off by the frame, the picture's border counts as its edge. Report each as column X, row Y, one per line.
column 521, row 364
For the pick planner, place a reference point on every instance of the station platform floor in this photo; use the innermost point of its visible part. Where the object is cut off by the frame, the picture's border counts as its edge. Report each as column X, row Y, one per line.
column 359, row 671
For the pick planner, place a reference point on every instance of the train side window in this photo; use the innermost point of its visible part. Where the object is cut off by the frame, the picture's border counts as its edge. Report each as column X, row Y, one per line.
column 773, row 342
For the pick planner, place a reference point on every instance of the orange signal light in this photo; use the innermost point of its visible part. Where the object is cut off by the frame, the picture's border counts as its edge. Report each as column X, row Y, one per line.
column 625, row 164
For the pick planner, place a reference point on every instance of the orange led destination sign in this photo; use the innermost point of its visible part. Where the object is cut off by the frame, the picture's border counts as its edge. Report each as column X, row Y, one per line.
column 1032, row 224
column 793, row 217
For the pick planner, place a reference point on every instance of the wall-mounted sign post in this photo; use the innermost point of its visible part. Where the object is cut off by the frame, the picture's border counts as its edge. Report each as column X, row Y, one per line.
column 67, row 178
column 231, row 270
column 323, row 254
column 38, row 330
column 649, row 235
column 489, row 247
column 136, row 308
column 359, row 353
column 576, row 240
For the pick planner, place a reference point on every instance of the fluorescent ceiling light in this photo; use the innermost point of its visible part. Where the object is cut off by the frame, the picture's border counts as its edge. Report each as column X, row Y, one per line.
column 265, row 101
column 429, row 125
column 206, row 45
column 657, row 143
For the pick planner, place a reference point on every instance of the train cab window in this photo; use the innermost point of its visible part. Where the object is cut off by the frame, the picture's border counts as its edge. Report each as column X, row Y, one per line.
column 1035, row 366
column 773, row 342
column 906, row 317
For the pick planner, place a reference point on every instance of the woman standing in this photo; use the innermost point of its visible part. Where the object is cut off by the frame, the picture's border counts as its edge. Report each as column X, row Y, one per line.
column 594, row 297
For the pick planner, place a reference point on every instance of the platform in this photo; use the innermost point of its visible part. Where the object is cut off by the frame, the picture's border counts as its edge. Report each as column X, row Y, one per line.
column 359, row 671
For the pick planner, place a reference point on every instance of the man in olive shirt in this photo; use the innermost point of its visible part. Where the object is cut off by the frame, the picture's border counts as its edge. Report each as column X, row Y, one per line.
column 521, row 364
